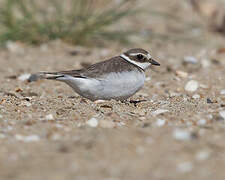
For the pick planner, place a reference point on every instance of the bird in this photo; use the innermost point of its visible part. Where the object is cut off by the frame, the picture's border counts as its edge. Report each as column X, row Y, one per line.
column 118, row 78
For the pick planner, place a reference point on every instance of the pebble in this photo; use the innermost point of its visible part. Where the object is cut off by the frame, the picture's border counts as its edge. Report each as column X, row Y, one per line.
column 1, row 116
column 201, row 122
column 160, row 122
column 49, row 117
column 14, row 47
column 191, row 86
column 185, row 167
column 222, row 92
column 30, row 138
column 181, row 74
column 159, row 111
column 205, row 63
column 99, row 101
column 222, row 114
column 202, row 155
column 190, row 59
column 148, row 78
column 24, row 77
column 93, row 122
column 182, row 135
column 196, row 96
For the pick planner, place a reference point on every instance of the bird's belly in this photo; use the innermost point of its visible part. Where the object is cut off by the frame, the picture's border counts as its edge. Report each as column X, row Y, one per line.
column 118, row 86
column 122, row 85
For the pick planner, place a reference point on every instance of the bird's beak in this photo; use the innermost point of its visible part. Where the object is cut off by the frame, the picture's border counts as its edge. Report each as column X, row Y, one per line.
column 153, row 62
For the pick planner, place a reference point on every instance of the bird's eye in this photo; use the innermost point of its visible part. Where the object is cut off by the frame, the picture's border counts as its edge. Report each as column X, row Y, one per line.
column 140, row 56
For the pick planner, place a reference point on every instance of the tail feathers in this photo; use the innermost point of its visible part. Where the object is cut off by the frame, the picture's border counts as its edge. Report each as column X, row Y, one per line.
column 44, row 75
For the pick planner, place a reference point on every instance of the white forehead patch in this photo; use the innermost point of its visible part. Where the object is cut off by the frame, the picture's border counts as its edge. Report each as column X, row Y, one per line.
column 142, row 65
column 149, row 56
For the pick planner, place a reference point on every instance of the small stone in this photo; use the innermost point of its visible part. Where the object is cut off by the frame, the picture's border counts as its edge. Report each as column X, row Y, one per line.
column 160, row 122
column 222, row 114
column 159, row 111
column 182, row 135
column 99, row 101
column 196, row 96
column 205, row 63
column 202, row 155
column 14, row 47
column 24, row 77
column 201, row 122
column 222, row 92
column 30, row 138
column 181, row 74
column 185, row 167
column 148, row 78
column 1, row 116
column 190, row 59
column 93, row 122
column 49, row 117
column 191, row 86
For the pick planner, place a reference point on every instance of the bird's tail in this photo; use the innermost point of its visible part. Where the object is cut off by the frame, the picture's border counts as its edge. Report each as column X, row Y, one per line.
column 45, row 75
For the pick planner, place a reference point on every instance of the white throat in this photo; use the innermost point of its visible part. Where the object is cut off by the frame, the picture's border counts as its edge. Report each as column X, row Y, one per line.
column 143, row 65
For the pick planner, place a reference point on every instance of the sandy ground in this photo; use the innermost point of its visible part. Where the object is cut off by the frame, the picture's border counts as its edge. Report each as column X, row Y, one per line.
column 166, row 132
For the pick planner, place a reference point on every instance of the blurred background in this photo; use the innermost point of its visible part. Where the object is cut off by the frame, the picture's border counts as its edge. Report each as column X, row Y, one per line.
column 96, row 22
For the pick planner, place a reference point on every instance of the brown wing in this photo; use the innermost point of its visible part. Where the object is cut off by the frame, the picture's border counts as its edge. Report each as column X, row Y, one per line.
column 115, row 64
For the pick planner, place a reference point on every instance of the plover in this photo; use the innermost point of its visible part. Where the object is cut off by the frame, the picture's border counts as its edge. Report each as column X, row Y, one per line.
column 117, row 78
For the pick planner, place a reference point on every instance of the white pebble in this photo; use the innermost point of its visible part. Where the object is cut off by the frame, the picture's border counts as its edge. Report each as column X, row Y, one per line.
column 182, row 135
column 14, row 47
column 222, row 114
column 222, row 92
column 24, row 77
column 159, row 111
column 196, row 96
column 205, row 63
column 190, row 59
column 160, row 122
column 1, row 116
column 30, row 138
column 185, row 167
column 201, row 122
column 148, row 78
column 99, row 101
column 49, row 117
column 93, row 122
column 191, row 86
column 202, row 155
